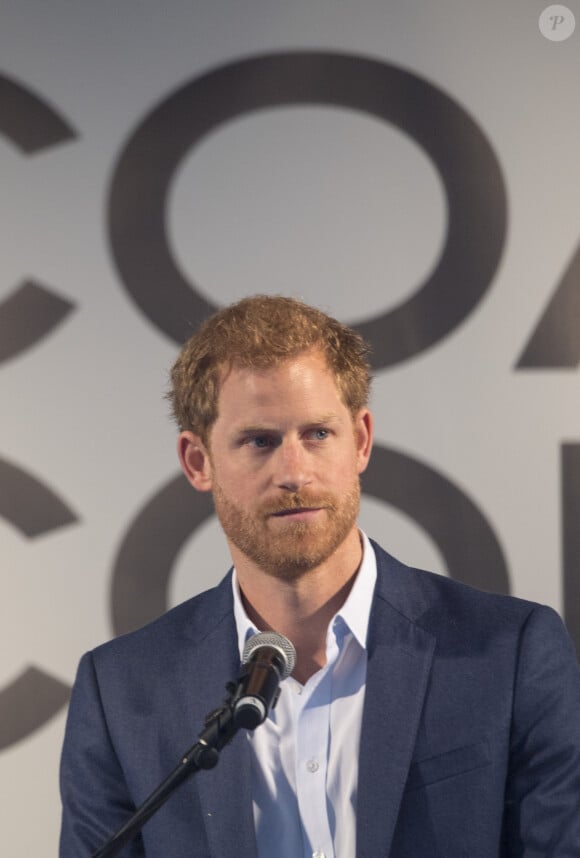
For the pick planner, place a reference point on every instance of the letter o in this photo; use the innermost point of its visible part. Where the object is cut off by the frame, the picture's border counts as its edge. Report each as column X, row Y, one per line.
column 454, row 142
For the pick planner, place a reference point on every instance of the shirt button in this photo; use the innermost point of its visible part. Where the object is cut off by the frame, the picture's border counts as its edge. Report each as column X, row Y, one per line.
column 312, row 766
column 318, row 854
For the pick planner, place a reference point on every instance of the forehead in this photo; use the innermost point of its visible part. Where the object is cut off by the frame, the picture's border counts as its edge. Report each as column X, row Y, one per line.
column 305, row 381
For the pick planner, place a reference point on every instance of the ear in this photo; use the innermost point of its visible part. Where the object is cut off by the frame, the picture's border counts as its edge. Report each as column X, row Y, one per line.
column 195, row 461
column 363, row 436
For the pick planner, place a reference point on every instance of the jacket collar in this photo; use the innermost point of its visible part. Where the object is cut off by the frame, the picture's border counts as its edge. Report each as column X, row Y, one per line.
column 400, row 654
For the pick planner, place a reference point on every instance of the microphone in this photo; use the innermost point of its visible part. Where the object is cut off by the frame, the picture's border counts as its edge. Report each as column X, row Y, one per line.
column 267, row 659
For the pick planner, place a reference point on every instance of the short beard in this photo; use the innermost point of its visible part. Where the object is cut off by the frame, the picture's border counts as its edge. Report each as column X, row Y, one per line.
column 303, row 545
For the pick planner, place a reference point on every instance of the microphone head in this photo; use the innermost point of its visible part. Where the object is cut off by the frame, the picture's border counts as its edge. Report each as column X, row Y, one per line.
column 275, row 641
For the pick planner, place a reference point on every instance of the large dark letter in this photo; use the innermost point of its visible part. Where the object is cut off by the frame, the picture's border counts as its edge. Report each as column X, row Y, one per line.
column 32, row 311
column 464, row 537
column 146, row 557
column 34, row 696
column 555, row 343
column 456, row 145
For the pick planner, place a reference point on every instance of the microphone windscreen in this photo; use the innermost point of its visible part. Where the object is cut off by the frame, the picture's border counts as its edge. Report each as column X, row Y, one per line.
column 275, row 641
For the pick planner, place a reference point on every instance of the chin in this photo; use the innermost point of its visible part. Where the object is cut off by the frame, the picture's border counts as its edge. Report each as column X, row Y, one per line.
column 291, row 560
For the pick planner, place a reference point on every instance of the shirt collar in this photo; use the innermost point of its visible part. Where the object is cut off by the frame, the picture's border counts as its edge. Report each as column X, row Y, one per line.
column 354, row 614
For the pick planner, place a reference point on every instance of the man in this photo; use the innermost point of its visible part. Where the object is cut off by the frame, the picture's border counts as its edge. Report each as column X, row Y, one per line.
column 423, row 718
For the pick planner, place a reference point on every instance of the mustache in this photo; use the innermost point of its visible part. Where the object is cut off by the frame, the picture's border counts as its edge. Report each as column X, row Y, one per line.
column 298, row 500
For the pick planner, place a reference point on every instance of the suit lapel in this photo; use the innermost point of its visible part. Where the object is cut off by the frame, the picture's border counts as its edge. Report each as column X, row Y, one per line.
column 400, row 655
column 225, row 792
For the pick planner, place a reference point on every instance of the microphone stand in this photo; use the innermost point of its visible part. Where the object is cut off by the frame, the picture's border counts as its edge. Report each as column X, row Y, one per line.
column 220, row 727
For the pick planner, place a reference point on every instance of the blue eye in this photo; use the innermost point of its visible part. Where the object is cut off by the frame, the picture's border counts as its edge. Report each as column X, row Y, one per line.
column 261, row 442
column 321, row 434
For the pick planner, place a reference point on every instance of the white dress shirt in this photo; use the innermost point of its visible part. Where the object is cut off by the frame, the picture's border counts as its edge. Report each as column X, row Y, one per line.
column 305, row 755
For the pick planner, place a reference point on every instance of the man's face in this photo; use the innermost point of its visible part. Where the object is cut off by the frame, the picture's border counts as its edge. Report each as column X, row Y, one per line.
column 284, row 462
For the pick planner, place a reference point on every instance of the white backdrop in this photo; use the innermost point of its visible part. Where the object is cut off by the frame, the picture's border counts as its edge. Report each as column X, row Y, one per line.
column 313, row 200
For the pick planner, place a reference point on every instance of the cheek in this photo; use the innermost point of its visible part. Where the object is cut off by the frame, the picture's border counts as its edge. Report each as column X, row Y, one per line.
column 342, row 472
column 236, row 484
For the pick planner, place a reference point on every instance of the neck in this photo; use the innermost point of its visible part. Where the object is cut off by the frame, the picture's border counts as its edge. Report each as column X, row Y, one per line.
column 300, row 608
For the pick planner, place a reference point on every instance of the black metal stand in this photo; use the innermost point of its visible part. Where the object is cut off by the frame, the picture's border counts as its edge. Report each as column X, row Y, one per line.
column 220, row 728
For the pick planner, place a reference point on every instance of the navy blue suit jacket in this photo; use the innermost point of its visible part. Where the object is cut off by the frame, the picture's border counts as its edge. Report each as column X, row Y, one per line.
column 470, row 741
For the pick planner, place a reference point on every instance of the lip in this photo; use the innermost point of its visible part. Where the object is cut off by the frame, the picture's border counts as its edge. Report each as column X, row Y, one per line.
column 301, row 514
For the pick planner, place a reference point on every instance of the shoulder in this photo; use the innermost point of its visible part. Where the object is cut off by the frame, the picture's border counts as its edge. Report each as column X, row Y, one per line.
column 146, row 668
column 191, row 622
column 448, row 608
column 501, row 639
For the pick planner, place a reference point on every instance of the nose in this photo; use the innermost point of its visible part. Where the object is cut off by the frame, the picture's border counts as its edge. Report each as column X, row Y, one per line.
column 291, row 468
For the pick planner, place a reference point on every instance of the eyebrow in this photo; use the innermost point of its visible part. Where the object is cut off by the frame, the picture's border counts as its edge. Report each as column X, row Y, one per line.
column 318, row 421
